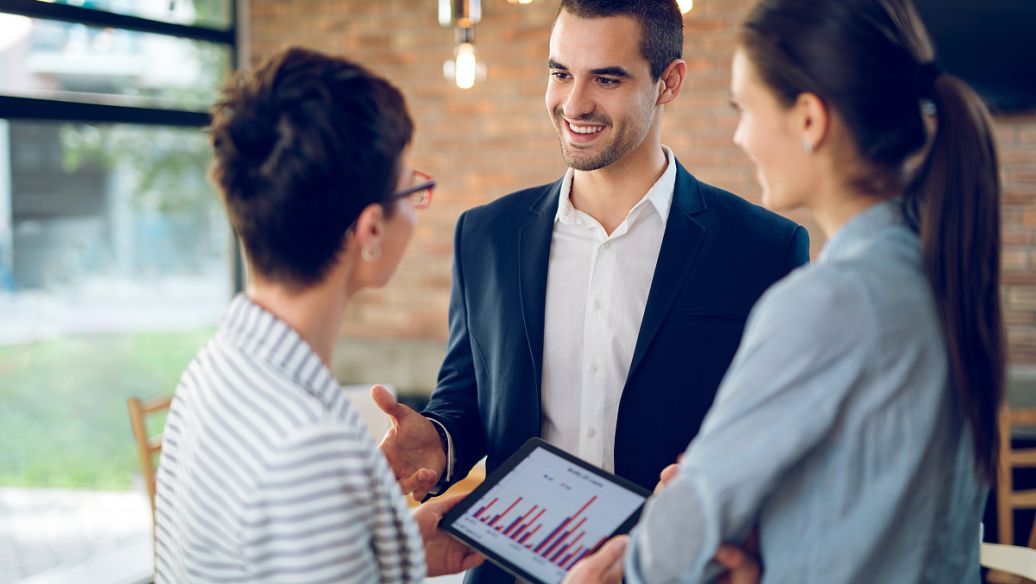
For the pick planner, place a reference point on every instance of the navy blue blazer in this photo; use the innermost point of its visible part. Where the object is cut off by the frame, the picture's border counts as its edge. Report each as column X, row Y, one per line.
column 718, row 255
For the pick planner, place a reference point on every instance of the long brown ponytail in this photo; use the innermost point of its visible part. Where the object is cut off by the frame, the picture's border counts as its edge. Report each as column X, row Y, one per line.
column 872, row 61
column 955, row 202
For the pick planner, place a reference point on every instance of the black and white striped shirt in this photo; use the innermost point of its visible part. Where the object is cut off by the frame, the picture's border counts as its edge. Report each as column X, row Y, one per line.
column 268, row 475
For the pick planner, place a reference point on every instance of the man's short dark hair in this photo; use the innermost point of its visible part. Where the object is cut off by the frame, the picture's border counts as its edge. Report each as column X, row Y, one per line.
column 301, row 145
column 661, row 25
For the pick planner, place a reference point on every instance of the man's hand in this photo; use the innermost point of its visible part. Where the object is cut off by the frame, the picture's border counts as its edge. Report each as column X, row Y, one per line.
column 443, row 554
column 411, row 446
column 602, row 567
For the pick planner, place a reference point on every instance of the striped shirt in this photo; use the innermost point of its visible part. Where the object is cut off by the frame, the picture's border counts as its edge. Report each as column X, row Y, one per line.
column 268, row 475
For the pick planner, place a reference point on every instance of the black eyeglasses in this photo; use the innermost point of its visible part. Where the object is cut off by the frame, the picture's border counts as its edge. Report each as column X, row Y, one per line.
column 420, row 194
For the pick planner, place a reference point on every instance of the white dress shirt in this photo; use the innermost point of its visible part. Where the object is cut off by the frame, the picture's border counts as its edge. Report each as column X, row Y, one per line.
column 597, row 289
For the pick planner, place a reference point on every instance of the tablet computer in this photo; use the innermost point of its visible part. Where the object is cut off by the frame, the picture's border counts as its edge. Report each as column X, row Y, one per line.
column 543, row 510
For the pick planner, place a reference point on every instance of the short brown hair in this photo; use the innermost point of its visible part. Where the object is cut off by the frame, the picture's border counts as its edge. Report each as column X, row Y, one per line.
column 661, row 25
column 301, row 145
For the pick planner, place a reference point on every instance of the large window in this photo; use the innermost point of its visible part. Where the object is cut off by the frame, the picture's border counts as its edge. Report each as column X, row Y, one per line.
column 115, row 261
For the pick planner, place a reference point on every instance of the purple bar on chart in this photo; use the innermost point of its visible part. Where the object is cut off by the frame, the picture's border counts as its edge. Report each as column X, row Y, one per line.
column 506, row 511
column 511, row 526
column 565, row 563
column 528, row 535
column 564, row 523
column 483, row 510
column 526, row 526
column 519, row 520
column 550, row 549
column 581, row 556
column 557, row 554
column 567, row 547
column 559, row 541
column 552, row 534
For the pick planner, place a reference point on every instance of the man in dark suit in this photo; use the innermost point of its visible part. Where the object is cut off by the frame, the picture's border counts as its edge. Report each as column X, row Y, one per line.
column 602, row 310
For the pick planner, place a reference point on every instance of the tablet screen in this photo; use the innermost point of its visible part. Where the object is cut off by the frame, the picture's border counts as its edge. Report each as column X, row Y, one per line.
column 546, row 513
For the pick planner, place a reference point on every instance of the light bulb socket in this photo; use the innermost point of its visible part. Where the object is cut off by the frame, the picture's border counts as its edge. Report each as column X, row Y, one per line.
column 464, row 13
column 464, row 34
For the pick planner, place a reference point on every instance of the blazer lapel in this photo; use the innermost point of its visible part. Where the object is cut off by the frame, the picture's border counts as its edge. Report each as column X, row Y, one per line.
column 533, row 256
column 683, row 237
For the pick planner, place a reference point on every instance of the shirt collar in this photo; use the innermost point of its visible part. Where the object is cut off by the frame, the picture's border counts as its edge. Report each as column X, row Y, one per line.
column 659, row 196
column 263, row 336
column 861, row 228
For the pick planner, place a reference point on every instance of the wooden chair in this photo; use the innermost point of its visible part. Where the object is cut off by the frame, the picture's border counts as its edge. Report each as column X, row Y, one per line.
column 148, row 447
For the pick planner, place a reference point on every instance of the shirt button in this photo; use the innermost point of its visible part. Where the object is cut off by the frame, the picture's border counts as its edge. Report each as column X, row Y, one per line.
column 597, row 305
column 606, row 245
column 593, row 368
column 591, row 432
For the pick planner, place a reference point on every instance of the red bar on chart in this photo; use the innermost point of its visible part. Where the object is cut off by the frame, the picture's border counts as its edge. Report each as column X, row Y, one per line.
column 530, row 534
column 582, row 555
column 483, row 510
column 506, row 511
column 526, row 526
column 568, row 546
column 564, row 523
column 519, row 520
column 559, row 541
column 565, row 563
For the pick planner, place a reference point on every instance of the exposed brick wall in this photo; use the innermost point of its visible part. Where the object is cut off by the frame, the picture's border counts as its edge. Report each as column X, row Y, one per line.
column 496, row 138
column 1016, row 136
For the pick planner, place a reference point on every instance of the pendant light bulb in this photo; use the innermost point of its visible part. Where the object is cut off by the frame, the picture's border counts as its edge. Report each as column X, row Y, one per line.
column 466, row 66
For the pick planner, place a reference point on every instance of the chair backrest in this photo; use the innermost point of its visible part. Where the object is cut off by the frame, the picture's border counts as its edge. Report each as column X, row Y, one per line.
column 1007, row 498
column 148, row 447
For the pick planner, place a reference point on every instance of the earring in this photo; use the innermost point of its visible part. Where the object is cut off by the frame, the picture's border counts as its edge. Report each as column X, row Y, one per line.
column 807, row 146
column 371, row 253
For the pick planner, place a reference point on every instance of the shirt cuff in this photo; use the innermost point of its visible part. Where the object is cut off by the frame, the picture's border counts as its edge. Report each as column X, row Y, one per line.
column 451, row 459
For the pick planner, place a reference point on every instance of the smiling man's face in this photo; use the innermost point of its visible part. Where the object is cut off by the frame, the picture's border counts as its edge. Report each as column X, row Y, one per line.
column 600, row 94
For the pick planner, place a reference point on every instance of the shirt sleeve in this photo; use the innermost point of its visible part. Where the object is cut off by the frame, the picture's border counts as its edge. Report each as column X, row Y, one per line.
column 805, row 349
column 326, row 508
column 451, row 459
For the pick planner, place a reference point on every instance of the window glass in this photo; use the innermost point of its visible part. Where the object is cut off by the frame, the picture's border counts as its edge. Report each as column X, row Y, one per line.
column 114, row 269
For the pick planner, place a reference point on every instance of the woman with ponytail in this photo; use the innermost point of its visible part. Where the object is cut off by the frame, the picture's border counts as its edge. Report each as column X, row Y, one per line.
column 856, row 428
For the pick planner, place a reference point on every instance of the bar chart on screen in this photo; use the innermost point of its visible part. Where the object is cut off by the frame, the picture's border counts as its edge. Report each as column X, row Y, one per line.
column 548, row 513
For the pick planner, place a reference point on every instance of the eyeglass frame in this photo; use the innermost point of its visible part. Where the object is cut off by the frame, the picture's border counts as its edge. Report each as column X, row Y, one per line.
column 428, row 184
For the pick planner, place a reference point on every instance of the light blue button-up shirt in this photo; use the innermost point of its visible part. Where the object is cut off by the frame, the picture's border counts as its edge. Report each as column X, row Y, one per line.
column 835, row 431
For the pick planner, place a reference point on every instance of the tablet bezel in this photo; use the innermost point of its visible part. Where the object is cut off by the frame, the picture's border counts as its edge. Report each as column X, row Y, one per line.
column 448, row 521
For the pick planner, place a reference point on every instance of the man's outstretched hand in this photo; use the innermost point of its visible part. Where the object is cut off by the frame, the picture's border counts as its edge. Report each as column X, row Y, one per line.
column 411, row 446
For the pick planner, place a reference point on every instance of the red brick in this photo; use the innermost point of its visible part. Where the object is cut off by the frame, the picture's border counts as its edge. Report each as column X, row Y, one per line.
column 468, row 138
